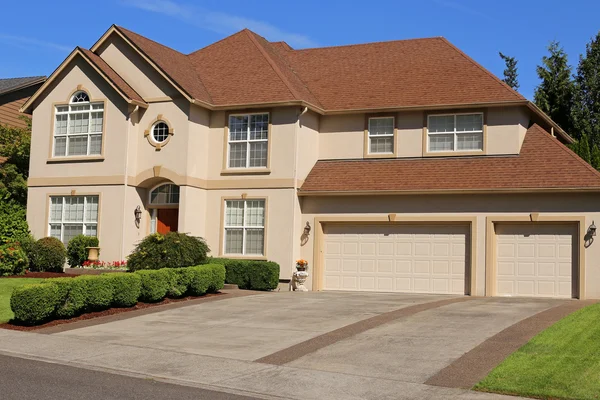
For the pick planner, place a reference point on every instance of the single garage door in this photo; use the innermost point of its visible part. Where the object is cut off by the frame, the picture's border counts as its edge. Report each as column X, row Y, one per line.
column 395, row 258
column 534, row 260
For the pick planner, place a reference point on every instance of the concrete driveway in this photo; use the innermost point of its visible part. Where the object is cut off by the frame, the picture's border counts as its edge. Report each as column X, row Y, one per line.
column 318, row 344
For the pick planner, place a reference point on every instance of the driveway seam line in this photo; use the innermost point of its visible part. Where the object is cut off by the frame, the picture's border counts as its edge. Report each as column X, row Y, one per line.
column 469, row 369
column 309, row 346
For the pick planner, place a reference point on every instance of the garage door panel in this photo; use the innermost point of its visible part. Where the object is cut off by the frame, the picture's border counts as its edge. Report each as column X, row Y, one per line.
column 541, row 266
column 401, row 258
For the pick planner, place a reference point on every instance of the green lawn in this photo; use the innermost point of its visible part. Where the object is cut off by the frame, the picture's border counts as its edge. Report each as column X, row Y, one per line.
column 562, row 362
column 6, row 288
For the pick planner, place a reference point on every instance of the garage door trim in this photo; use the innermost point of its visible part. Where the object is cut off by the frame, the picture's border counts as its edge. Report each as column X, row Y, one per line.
column 491, row 241
column 392, row 219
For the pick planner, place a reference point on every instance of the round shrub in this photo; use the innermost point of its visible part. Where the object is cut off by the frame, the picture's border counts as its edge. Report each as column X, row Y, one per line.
column 72, row 294
column 173, row 250
column 13, row 260
column 33, row 304
column 155, row 285
column 179, row 281
column 48, row 254
column 77, row 251
column 126, row 288
column 99, row 292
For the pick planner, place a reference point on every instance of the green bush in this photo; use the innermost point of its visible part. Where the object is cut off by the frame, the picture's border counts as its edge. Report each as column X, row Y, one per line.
column 13, row 260
column 155, row 284
column 13, row 225
column 48, row 254
column 33, row 304
column 173, row 250
column 72, row 295
column 99, row 292
column 179, row 281
column 76, row 249
column 26, row 243
column 126, row 288
column 250, row 274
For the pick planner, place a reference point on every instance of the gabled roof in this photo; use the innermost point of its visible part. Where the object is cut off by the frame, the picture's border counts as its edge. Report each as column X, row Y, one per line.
column 535, row 168
column 13, row 84
column 103, row 69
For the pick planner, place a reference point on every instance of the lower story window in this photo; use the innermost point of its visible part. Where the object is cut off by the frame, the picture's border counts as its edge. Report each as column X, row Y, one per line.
column 245, row 227
column 73, row 215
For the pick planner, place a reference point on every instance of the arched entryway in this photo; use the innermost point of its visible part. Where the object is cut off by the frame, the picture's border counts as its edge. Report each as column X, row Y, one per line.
column 163, row 204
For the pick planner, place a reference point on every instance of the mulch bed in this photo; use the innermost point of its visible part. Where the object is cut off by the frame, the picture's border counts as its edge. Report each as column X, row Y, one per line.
column 97, row 314
column 41, row 275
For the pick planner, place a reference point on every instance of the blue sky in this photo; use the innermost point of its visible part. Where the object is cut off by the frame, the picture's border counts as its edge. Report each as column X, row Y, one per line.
column 42, row 33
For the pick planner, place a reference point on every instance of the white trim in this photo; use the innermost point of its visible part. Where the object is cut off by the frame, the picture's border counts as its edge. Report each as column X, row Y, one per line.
column 247, row 140
column 369, row 136
column 455, row 133
column 244, row 228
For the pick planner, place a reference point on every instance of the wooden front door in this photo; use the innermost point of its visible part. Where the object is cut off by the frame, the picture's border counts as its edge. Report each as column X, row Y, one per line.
column 166, row 220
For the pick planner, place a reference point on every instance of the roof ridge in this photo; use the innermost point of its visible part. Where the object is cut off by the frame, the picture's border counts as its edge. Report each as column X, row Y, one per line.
column 148, row 39
column 273, row 65
column 514, row 92
column 568, row 150
column 218, row 41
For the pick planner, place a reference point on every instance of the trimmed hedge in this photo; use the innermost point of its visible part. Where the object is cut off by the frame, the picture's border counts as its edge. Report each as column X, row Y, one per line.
column 35, row 303
column 68, row 297
column 77, row 251
column 250, row 274
column 173, row 250
column 48, row 254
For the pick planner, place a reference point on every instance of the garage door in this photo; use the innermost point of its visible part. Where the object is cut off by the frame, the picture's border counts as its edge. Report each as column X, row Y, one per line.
column 395, row 258
column 534, row 260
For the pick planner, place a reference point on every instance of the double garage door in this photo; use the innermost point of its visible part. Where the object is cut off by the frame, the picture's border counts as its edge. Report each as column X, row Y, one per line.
column 531, row 260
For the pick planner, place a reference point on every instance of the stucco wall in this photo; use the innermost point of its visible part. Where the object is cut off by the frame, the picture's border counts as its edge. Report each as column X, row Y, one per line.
column 478, row 206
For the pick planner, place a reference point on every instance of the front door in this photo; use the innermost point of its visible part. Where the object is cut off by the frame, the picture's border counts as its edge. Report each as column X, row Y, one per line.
column 167, row 220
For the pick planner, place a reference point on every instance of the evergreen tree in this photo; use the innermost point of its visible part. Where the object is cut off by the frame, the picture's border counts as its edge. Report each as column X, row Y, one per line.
column 596, row 157
column 510, row 72
column 582, row 148
column 586, row 108
column 554, row 95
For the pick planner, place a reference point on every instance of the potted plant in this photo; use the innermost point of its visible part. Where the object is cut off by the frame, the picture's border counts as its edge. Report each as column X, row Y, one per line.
column 301, row 265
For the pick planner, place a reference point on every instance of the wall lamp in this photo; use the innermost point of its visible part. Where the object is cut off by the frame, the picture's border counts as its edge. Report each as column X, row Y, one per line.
column 138, row 216
column 592, row 229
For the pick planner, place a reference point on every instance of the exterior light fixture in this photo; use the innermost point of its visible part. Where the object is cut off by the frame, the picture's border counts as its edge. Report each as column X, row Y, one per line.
column 307, row 229
column 138, row 216
column 592, row 229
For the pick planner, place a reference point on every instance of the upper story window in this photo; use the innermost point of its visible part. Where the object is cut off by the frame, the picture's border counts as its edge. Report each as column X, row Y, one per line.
column 78, row 127
column 160, row 132
column 248, row 141
column 455, row 132
column 381, row 135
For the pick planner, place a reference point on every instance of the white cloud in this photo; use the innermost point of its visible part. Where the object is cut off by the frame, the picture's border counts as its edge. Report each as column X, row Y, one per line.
column 219, row 22
column 29, row 43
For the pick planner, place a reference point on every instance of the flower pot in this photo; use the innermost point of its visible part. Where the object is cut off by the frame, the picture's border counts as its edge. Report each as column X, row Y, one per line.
column 93, row 253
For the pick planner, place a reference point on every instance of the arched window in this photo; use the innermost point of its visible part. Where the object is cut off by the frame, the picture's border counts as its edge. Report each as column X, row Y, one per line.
column 78, row 127
column 164, row 194
column 160, row 132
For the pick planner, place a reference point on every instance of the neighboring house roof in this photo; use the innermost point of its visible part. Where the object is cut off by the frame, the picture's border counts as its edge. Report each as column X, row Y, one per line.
column 13, row 84
column 543, row 164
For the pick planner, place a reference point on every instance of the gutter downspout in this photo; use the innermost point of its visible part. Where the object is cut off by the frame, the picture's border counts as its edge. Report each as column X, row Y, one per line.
column 129, row 117
column 295, row 189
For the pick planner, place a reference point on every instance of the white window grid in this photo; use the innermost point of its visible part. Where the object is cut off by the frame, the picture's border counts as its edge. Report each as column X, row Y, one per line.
column 87, row 224
column 375, row 136
column 248, row 141
column 160, row 132
column 244, row 227
column 66, row 127
column 169, row 192
column 456, row 133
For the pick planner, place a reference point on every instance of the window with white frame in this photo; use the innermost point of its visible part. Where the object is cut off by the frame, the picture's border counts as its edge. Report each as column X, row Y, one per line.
column 73, row 215
column 455, row 132
column 78, row 127
column 244, row 227
column 381, row 135
column 248, row 141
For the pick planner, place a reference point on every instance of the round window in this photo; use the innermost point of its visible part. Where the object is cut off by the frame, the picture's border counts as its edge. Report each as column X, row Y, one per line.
column 160, row 132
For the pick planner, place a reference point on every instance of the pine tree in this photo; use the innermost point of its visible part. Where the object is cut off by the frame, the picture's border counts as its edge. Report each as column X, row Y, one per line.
column 554, row 95
column 510, row 72
column 596, row 157
column 582, row 149
column 586, row 109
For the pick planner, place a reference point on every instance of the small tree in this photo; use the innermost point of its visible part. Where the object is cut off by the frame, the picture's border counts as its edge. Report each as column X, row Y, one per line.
column 596, row 156
column 511, row 71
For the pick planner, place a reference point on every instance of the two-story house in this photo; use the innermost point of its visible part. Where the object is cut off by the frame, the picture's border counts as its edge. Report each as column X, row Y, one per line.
column 397, row 166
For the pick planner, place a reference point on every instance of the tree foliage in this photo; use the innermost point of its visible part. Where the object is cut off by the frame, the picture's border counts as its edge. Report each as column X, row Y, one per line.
column 511, row 76
column 555, row 93
column 14, row 146
column 586, row 108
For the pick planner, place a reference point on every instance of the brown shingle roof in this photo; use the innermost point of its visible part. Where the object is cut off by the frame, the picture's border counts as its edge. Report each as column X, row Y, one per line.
column 112, row 75
column 554, row 167
column 245, row 68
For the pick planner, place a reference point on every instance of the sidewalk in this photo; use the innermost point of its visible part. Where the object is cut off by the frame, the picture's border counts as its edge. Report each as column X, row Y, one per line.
column 228, row 375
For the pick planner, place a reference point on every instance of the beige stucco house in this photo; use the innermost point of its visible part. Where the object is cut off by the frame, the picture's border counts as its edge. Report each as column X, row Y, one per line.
column 399, row 166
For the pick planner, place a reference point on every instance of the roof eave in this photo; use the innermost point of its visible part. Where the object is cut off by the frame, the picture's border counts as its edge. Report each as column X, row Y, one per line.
column 24, row 86
column 428, row 107
column 557, row 129
column 308, row 193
